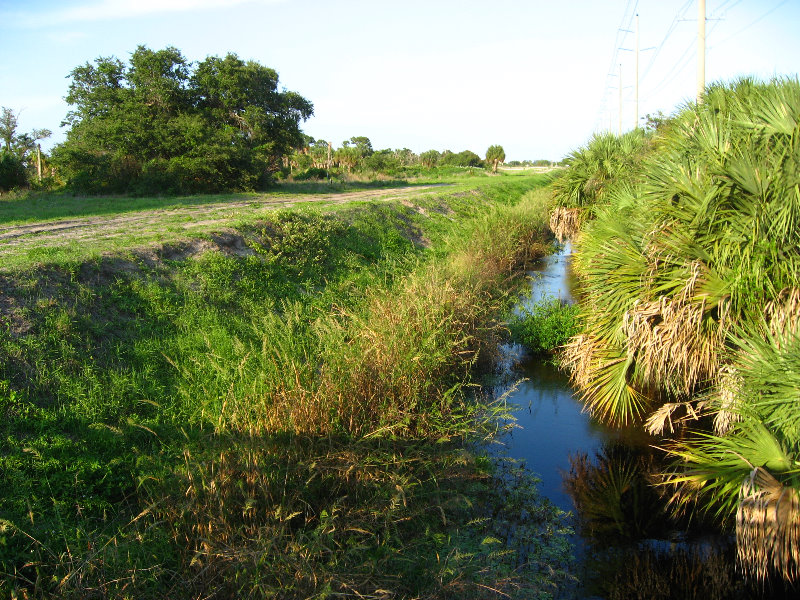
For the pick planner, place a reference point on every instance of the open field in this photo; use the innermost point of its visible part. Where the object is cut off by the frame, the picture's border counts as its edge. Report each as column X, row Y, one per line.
column 61, row 227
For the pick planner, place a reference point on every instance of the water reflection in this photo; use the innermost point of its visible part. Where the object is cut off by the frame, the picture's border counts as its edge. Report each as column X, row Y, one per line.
column 614, row 496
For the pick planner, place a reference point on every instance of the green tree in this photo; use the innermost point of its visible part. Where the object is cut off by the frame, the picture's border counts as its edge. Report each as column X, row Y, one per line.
column 466, row 158
column 8, row 127
column 494, row 156
column 430, row 158
column 382, row 161
column 362, row 145
column 405, row 157
column 160, row 124
column 12, row 171
column 319, row 153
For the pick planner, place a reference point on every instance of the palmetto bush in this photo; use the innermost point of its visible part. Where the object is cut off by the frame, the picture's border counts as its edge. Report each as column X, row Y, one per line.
column 605, row 161
column 688, row 273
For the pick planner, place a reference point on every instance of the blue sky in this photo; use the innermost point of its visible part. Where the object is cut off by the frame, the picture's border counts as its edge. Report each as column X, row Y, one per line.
column 535, row 76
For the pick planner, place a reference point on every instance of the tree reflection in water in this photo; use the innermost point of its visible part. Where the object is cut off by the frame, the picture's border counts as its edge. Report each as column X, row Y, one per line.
column 636, row 547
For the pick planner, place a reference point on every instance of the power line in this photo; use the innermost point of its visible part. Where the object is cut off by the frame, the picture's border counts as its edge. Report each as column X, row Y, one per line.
column 679, row 65
column 723, row 7
column 681, row 14
column 746, row 27
column 622, row 31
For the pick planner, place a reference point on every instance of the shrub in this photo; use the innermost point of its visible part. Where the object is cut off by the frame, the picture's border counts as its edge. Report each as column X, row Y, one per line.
column 12, row 172
column 311, row 173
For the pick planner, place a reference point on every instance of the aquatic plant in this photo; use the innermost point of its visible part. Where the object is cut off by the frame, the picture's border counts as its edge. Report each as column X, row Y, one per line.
column 545, row 326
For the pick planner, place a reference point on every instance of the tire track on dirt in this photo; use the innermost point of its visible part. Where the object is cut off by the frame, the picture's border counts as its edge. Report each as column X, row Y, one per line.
column 177, row 220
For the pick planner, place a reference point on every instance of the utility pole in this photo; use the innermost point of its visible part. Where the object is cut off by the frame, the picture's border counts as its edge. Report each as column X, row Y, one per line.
column 39, row 161
column 636, row 85
column 620, row 98
column 701, row 49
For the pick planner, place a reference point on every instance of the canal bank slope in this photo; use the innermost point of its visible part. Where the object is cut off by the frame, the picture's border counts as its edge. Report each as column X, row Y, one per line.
column 280, row 409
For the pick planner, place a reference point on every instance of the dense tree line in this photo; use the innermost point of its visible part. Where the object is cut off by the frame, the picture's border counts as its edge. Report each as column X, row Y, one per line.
column 160, row 124
column 318, row 158
column 163, row 124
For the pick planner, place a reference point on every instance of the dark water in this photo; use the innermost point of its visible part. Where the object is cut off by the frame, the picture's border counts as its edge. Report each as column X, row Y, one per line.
column 551, row 425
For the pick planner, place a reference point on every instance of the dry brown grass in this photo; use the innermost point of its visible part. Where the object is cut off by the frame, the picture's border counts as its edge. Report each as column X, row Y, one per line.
column 675, row 344
column 783, row 313
column 290, row 515
column 671, row 416
column 384, row 368
column 579, row 358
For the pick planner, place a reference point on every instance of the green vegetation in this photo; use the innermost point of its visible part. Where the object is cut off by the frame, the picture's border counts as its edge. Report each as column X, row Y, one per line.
column 60, row 227
column 18, row 156
column 494, row 156
column 607, row 160
column 546, row 326
column 161, row 125
column 690, row 271
column 284, row 413
column 356, row 159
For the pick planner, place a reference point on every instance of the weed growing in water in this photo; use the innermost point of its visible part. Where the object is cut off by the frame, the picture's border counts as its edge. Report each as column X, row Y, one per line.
column 545, row 326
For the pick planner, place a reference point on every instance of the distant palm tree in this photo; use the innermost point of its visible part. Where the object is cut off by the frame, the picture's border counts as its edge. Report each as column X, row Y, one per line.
column 494, row 156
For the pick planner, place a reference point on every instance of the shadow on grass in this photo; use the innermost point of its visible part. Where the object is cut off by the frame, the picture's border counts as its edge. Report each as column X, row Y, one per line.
column 226, row 514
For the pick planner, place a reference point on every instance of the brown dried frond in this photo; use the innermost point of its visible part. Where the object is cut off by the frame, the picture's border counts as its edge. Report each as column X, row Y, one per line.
column 673, row 342
column 657, row 422
column 729, row 385
column 565, row 223
column 577, row 358
column 783, row 313
column 768, row 527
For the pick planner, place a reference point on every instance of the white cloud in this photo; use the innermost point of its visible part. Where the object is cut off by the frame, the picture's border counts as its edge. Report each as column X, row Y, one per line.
column 109, row 10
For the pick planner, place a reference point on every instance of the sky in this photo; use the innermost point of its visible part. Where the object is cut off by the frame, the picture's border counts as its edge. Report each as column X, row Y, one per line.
column 537, row 77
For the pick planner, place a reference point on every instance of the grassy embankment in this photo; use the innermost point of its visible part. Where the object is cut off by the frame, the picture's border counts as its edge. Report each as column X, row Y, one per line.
column 280, row 410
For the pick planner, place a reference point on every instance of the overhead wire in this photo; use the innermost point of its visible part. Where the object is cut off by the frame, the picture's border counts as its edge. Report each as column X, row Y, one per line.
column 679, row 65
column 679, row 16
column 724, row 6
column 746, row 27
column 622, row 32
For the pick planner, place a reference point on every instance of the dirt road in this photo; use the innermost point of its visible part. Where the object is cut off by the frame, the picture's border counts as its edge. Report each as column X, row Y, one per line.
column 161, row 225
